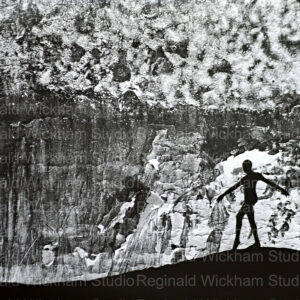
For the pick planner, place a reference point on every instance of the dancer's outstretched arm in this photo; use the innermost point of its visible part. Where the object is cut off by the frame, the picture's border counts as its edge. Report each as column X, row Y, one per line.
column 271, row 183
column 231, row 189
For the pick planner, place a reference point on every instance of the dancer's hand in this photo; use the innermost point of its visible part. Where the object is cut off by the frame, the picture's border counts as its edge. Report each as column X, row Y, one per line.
column 219, row 198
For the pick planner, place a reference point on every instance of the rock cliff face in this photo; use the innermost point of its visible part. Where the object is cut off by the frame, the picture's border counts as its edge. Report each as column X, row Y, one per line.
column 122, row 122
column 88, row 195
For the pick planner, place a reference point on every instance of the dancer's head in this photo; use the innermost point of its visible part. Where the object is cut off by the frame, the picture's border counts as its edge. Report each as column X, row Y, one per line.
column 247, row 166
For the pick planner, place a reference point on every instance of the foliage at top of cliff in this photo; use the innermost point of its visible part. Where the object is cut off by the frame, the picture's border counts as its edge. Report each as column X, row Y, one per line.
column 200, row 52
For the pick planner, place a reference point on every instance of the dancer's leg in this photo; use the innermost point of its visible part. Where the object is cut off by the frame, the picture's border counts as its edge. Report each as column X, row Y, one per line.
column 251, row 219
column 239, row 219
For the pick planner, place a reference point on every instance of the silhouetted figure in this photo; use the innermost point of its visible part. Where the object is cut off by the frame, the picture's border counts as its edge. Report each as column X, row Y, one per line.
column 249, row 183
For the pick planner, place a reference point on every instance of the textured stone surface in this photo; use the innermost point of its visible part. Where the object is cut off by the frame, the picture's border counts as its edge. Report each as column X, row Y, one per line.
column 204, row 53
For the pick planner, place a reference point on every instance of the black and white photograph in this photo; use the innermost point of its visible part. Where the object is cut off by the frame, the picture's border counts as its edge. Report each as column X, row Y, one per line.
column 149, row 149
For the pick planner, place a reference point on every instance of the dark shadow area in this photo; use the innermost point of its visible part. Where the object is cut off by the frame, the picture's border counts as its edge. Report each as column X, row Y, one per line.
column 264, row 273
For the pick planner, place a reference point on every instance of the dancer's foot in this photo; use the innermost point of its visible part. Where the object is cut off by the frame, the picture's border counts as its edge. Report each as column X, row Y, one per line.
column 235, row 244
column 256, row 245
